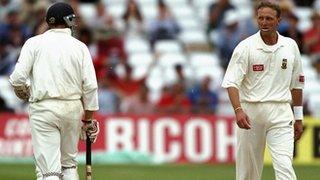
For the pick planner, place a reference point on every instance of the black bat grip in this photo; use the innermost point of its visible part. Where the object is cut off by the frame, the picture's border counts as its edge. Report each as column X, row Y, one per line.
column 88, row 151
column 88, row 159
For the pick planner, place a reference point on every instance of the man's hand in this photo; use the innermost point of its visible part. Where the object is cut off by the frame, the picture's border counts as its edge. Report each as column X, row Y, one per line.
column 298, row 130
column 90, row 129
column 22, row 92
column 242, row 119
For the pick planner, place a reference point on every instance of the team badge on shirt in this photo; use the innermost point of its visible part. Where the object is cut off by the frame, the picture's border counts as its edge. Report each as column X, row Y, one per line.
column 258, row 67
column 301, row 78
column 284, row 64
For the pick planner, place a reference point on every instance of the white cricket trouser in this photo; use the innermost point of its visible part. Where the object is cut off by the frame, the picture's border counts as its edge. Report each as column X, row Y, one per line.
column 271, row 124
column 55, row 126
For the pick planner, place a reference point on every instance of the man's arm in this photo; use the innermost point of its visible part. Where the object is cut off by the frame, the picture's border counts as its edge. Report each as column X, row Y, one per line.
column 235, row 73
column 89, row 83
column 234, row 97
column 241, row 117
column 20, row 75
column 296, row 97
column 88, row 115
column 296, row 87
column 90, row 126
column 298, row 112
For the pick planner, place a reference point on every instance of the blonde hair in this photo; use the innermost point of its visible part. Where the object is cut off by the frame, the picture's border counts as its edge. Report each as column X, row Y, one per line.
column 271, row 5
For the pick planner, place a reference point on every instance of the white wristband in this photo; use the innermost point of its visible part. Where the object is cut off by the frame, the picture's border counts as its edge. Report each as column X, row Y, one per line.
column 298, row 112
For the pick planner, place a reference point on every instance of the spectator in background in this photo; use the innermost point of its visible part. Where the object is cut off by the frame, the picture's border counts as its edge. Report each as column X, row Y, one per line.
column 4, row 107
column 248, row 25
column 7, row 58
column 85, row 35
column 16, row 38
column 133, row 19
column 126, row 86
column 30, row 11
column 110, row 39
column 311, row 38
column 217, row 12
column 164, row 26
column 11, row 22
column 243, row 26
column 40, row 25
column 315, row 5
column 75, row 4
column 6, row 6
column 229, row 36
column 306, row 3
column 187, row 83
column 138, row 103
column 203, row 99
column 286, row 7
column 315, row 60
column 101, row 16
column 110, row 47
column 292, row 31
column 108, row 98
column 174, row 100
column 89, row 1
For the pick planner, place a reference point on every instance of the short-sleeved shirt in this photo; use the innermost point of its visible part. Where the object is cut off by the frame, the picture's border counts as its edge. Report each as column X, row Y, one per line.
column 264, row 73
column 59, row 67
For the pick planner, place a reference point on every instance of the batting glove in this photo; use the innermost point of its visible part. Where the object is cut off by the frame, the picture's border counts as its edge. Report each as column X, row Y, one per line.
column 22, row 92
column 90, row 129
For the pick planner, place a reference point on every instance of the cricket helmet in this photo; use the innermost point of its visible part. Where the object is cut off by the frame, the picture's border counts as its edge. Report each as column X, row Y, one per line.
column 60, row 13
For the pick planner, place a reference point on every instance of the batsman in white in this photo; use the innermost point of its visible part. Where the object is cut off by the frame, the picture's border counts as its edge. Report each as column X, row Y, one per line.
column 62, row 92
column 263, row 78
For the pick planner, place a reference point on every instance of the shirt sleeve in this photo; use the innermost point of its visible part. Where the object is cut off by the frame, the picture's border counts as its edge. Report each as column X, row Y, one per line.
column 298, row 79
column 23, row 67
column 237, row 68
column 89, row 83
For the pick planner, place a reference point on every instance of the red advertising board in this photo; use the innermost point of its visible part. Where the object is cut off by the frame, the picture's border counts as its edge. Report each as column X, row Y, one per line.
column 177, row 138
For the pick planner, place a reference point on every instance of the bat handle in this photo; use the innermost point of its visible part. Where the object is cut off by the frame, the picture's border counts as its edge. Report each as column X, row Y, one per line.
column 88, row 159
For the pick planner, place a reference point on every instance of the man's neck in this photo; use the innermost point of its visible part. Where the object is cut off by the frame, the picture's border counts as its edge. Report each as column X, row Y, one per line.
column 269, row 38
column 57, row 27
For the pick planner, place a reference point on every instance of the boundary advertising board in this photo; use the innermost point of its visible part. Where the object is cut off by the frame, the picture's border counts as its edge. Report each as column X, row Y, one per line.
column 167, row 139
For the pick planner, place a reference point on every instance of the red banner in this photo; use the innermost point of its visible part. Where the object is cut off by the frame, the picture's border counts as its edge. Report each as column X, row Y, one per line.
column 180, row 138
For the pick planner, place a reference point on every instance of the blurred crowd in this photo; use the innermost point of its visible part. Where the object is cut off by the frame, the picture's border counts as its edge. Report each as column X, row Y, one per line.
column 129, row 87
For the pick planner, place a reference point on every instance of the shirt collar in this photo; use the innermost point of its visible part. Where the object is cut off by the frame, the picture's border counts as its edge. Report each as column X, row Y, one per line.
column 60, row 30
column 262, row 46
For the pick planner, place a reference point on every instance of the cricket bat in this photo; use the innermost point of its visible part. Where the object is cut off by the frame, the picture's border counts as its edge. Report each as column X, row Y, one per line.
column 88, row 159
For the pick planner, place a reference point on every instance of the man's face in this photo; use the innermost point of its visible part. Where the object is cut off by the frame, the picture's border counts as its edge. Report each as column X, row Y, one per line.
column 267, row 20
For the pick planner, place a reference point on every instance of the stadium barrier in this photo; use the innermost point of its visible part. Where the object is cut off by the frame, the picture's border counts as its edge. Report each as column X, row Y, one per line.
column 155, row 139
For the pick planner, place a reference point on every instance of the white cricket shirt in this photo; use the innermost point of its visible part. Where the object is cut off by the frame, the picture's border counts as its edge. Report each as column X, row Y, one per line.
column 59, row 67
column 265, row 73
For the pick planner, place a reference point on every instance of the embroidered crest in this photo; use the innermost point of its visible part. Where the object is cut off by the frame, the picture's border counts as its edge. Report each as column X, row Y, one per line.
column 52, row 20
column 284, row 64
column 258, row 67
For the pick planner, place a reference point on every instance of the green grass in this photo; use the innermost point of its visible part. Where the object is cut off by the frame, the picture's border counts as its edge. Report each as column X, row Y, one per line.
column 161, row 172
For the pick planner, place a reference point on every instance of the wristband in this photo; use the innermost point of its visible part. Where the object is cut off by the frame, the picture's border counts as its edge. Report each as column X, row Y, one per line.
column 87, row 121
column 238, row 108
column 298, row 112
